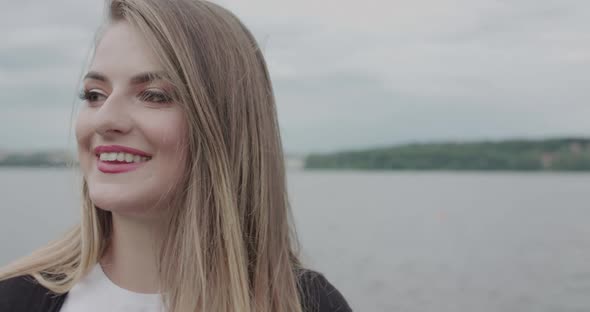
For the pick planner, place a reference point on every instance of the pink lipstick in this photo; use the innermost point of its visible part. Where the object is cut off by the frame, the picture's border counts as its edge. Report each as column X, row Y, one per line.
column 117, row 167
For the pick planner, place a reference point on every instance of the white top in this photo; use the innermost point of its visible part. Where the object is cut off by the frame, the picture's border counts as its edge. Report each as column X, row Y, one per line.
column 97, row 293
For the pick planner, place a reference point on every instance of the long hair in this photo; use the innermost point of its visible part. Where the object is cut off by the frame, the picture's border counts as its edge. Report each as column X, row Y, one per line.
column 231, row 244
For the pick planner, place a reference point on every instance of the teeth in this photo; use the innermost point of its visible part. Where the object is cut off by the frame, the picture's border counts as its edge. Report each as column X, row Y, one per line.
column 126, row 157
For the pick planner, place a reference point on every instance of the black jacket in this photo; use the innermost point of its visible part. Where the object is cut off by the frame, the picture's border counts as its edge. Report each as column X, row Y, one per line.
column 25, row 294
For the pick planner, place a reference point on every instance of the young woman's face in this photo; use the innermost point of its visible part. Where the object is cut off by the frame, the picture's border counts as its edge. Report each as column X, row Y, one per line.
column 131, row 136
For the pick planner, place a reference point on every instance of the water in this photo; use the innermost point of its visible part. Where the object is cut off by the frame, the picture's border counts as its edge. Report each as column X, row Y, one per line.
column 392, row 241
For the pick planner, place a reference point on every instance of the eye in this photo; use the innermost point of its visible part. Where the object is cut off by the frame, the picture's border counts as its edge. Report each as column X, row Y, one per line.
column 90, row 96
column 155, row 96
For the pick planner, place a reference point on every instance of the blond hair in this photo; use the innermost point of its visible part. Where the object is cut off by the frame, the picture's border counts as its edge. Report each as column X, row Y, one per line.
column 232, row 246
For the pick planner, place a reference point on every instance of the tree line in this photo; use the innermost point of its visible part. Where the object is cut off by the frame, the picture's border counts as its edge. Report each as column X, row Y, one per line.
column 569, row 154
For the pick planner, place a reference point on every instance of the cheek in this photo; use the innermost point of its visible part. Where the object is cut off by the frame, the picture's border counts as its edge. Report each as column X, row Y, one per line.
column 169, row 137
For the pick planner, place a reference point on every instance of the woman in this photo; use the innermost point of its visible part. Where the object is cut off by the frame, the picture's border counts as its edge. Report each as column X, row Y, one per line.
column 185, row 205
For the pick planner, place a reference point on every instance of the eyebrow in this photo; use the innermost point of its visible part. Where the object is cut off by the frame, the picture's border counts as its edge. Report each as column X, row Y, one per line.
column 135, row 80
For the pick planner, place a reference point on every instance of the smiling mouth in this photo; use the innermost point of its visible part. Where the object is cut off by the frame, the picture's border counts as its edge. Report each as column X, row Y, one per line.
column 119, row 162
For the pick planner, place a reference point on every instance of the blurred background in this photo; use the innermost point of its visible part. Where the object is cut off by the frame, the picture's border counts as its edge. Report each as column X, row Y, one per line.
column 438, row 151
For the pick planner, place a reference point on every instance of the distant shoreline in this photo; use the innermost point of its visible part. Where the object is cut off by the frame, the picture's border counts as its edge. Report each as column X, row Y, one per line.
column 563, row 154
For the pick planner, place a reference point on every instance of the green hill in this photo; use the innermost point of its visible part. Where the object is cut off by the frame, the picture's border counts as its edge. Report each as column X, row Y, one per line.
column 35, row 159
column 568, row 154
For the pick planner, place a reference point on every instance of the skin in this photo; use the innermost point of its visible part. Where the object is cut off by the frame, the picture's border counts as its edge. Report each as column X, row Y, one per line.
column 116, row 113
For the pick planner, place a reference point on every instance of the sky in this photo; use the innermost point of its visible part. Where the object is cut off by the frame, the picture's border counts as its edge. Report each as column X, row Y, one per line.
column 346, row 74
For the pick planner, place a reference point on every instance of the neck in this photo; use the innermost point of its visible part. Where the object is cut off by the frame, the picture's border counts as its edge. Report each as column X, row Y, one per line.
column 130, row 260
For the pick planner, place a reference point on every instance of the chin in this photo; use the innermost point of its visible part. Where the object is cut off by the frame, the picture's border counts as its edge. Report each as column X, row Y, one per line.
column 111, row 198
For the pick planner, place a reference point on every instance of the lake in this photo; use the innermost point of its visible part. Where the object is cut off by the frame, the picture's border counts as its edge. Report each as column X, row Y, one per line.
column 394, row 241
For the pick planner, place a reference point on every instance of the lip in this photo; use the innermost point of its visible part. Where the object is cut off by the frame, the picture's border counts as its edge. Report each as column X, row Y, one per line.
column 119, row 149
column 107, row 167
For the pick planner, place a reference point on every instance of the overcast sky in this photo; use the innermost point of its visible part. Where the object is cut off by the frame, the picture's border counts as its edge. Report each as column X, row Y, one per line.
column 347, row 74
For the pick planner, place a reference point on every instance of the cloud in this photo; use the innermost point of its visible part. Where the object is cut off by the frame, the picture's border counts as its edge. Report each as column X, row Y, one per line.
column 360, row 74
column 48, row 127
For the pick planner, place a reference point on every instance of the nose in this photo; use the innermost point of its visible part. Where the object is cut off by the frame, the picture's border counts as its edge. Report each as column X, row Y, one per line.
column 113, row 117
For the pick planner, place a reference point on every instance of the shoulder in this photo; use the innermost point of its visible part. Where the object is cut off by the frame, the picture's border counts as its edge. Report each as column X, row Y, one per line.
column 319, row 295
column 24, row 293
column 17, row 289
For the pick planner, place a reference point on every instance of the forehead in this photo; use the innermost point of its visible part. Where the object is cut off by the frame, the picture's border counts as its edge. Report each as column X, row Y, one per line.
column 123, row 51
